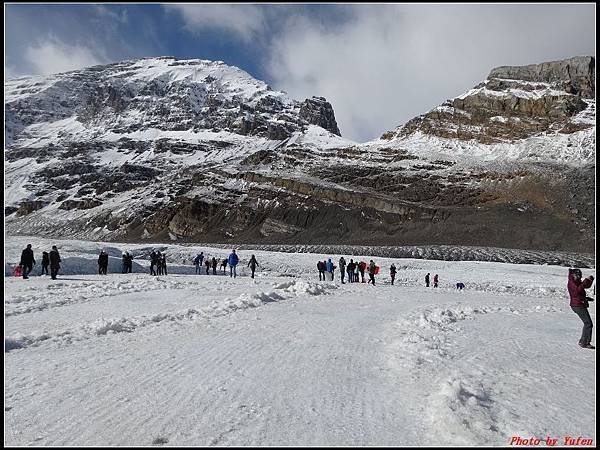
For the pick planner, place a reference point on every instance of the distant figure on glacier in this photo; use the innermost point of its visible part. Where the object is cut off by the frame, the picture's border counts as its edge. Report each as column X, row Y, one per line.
column 124, row 263
column 435, row 280
column 252, row 264
column 233, row 262
column 27, row 261
column 329, row 268
column 102, row 262
column 129, row 260
column 356, row 272
column 198, row 262
column 214, row 265
column 350, row 271
column 362, row 266
column 342, row 268
column 153, row 261
column 372, row 269
column 161, row 263
column 207, row 265
column 321, row 269
column 393, row 272
column 54, row 262
column 223, row 265
column 460, row 286
column 427, row 280
column 45, row 262
column 579, row 304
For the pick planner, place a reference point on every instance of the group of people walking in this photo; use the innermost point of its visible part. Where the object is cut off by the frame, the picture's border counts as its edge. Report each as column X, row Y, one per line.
column 351, row 271
column 232, row 260
column 51, row 259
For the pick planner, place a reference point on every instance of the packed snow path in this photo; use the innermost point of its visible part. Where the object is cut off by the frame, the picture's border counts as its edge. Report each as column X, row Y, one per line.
column 209, row 360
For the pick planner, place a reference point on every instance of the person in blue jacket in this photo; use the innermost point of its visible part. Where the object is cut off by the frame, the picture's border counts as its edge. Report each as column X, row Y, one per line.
column 329, row 267
column 233, row 261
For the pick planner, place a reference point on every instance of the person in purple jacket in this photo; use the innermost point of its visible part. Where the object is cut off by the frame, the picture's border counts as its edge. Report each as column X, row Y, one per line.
column 579, row 304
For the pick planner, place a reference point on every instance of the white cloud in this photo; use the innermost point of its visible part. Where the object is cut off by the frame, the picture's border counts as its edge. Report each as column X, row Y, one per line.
column 246, row 21
column 54, row 56
column 391, row 63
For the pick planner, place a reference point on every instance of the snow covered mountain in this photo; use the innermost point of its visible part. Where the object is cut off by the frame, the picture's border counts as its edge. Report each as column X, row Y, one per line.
column 196, row 150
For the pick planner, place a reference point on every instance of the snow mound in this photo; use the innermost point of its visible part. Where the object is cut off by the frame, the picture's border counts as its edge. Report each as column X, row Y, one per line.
column 463, row 412
column 302, row 287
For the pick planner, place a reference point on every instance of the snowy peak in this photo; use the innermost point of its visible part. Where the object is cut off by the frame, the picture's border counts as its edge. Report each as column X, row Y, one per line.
column 161, row 93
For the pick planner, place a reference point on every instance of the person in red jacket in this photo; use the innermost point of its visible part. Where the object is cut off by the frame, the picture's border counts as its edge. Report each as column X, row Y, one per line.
column 579, row 304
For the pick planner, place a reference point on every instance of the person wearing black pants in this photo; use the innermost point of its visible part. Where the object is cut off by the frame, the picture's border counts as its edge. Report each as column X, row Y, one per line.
column 252, row 264
column 54, row 262
column 27, row 261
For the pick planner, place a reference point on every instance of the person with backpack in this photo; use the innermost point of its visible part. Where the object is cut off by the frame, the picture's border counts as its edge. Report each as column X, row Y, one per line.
column 252, row 264
column 321, row 269
column 27, row 261
column 362, row 266
column 435, row 280
column 342, row 268
column 54, row 262
column 198, row 262
column 233, row 262
column 579, row 304
column 393, row 272
column 102, row 262
column 45, row 263
column 371, row 272
column 224, row 265
column 427, row 280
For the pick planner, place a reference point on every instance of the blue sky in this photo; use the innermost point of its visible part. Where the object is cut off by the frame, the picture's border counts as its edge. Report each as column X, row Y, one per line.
column 379, row 65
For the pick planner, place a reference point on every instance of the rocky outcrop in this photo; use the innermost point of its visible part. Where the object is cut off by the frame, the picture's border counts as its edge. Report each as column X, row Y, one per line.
column 576, row 75
column 318, row 111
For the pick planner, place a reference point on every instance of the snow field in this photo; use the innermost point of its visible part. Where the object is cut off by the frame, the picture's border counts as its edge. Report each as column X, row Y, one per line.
column 283, row 359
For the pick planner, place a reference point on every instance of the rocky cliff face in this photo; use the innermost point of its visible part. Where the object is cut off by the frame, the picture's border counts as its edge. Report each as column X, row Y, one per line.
column 162, row 149
column 516, row 103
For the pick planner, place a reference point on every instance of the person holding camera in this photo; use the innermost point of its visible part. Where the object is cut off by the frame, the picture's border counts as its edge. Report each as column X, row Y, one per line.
column 580, row 303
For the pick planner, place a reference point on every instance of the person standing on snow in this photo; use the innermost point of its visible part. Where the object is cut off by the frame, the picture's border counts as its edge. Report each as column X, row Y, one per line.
column 153, row 261
column 435, row 280
column 102, row 262
column 129, row 259
column 427, row 280
column 329, row 269
column 371, row 272
column 214, row 265
column 45, row 262
column 252, row 264
column 54, row 262
column 321, row 269
column 233, row 262
column 342, row 268
column 207, row 265
column 163, row 264
column 198, row 261
column 579, row 304
column 350, row 271
column 362, row 266
column 393, row 272
column 27, row 261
